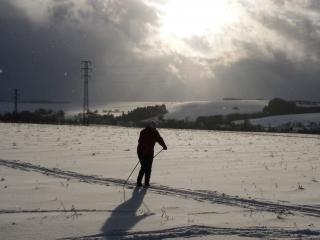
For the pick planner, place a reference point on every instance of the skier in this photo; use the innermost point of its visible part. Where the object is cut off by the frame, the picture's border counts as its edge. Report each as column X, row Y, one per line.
column 147, row 139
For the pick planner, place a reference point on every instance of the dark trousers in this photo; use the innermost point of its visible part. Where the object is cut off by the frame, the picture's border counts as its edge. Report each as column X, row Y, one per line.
column 145, row 169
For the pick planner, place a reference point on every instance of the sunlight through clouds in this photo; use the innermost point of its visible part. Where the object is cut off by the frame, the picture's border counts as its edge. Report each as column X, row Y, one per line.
column 184, row 19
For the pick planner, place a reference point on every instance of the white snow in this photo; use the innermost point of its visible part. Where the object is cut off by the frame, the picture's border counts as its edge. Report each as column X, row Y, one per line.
column 208, row 185
column 308, row 120
column 192, row 110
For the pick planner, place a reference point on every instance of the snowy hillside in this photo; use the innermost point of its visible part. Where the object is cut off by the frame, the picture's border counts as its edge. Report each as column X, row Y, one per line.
column 65, row 182
column 193, row 110
column 296, row 121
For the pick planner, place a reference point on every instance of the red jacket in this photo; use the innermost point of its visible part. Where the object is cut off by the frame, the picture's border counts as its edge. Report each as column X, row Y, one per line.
column 147, row 139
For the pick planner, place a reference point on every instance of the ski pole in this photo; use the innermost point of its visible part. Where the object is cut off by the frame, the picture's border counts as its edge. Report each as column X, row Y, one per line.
column 136, row 167
column 130, row 174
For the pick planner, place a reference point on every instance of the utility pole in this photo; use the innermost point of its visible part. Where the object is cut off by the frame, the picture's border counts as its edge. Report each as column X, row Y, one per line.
column 85, row 72
column 15, row 99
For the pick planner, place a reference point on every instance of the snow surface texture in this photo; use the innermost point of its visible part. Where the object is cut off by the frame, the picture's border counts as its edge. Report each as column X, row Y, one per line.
column 66, row 182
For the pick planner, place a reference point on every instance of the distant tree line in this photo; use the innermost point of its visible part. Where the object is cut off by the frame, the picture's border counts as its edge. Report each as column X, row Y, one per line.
column 138, row 117
column 142, row 113
column 58, row 117
column 278, row 106
column 38, row 116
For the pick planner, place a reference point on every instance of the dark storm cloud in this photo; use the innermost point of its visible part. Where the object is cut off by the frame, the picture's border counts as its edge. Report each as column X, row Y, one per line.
column 61, row 12
column 42, row 56
column 266, row 79
column 272, row 51
column 294, row 26
column 281, row 56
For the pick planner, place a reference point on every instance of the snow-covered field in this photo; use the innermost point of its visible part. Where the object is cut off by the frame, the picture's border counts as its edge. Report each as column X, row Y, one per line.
column 307, row 119
column 65, row 182
column 292, row 122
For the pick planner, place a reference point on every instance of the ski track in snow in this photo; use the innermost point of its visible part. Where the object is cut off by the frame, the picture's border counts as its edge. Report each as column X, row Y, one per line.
column 198, row 195
column 73, row 210
column 202, row 231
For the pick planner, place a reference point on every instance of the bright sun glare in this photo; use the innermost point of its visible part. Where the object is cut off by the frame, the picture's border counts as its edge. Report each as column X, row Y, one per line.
column 187, row 18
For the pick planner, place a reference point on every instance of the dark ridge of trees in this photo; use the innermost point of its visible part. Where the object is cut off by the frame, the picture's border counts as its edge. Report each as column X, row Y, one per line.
column 94, row 118
column 38, row 116
column 58, row 117
column 142, row 113
column 278, row 106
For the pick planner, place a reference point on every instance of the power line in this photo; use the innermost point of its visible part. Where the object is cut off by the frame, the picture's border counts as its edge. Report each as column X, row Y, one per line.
column 85, row 70
column 16, row 94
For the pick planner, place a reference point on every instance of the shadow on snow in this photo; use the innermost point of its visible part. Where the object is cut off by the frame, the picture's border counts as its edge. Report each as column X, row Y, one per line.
column 126, row 215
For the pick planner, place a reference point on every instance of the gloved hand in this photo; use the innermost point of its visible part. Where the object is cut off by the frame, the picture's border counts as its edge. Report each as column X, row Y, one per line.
column 165, row 148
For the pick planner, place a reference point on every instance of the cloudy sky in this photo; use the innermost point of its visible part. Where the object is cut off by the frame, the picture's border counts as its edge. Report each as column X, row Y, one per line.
column 161, row 49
